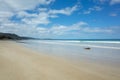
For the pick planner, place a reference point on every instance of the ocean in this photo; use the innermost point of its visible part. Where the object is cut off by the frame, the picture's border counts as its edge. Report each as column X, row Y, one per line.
column 104, row 52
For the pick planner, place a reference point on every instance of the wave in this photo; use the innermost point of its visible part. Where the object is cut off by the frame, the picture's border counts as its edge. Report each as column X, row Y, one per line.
column 83, row 45
column 79, row 41
column 118, row 42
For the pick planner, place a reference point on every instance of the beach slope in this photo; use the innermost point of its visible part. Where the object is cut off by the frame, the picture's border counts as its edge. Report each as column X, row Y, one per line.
column 20, row 63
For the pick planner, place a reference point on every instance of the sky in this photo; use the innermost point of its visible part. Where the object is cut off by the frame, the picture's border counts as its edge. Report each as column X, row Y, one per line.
column 61, row 19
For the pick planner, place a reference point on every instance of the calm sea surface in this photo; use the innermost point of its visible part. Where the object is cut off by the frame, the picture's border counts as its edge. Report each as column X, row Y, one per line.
column 105, row 52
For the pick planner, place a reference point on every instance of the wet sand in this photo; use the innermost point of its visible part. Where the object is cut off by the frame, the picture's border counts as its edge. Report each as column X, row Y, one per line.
column 20, row 63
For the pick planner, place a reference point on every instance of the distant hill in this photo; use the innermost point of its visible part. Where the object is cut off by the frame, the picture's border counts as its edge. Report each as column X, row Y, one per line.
column 9, row 36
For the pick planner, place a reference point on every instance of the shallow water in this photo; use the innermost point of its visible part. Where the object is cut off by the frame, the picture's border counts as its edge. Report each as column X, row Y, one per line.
column 105, row 53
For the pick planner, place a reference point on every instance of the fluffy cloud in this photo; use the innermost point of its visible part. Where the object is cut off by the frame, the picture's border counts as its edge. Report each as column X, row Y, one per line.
column 41, row 18
column 43, row 15
column 113, row 14
column 55, row 30
column 10, row 8
column 22, row 4
column 95, row 8
column 66, row 11
column 102, row 1
column 62, row 29
column 80, row 27
column 112, row 2
column 5, row 14
column 30, row 23
column 97, row 30
column 99, row 2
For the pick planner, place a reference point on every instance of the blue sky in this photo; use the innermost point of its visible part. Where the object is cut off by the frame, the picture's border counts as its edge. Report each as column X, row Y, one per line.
column 61, row 19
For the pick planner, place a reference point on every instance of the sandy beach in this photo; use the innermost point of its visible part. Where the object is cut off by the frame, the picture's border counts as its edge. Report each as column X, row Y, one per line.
column 20, row 63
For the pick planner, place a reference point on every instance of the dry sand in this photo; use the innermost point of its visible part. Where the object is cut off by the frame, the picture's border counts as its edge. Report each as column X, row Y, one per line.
column 20, row 63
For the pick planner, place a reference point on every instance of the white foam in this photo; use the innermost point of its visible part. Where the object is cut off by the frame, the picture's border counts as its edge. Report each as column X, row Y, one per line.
column 77, row 41
column 118, row 42
column 84, row 45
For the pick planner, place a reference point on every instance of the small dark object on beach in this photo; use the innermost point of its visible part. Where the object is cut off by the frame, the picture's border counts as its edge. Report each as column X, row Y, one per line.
column 87, row 48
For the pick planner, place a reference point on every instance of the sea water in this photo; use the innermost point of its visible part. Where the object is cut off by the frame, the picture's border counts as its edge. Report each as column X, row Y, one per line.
column 105, row 52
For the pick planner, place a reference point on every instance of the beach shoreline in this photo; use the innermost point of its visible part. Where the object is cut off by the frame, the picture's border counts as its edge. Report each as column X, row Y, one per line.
column 20, row 63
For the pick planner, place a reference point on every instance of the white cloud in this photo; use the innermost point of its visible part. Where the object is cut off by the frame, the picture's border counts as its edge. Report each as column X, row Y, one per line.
column 97, row 30
column 55, row 30
column 23, row 14
column 112, row 2
column 66, row 11
column 80, row 27
column 23, row 4
column 41, row 18
column 20, row 29
column 95, row 8
column 9, row 8
column 102, row 1
column 6, row 14
column 42, row 9
column 113, row 14
column 42, row 30
column 59, row 29
column 62, row 29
